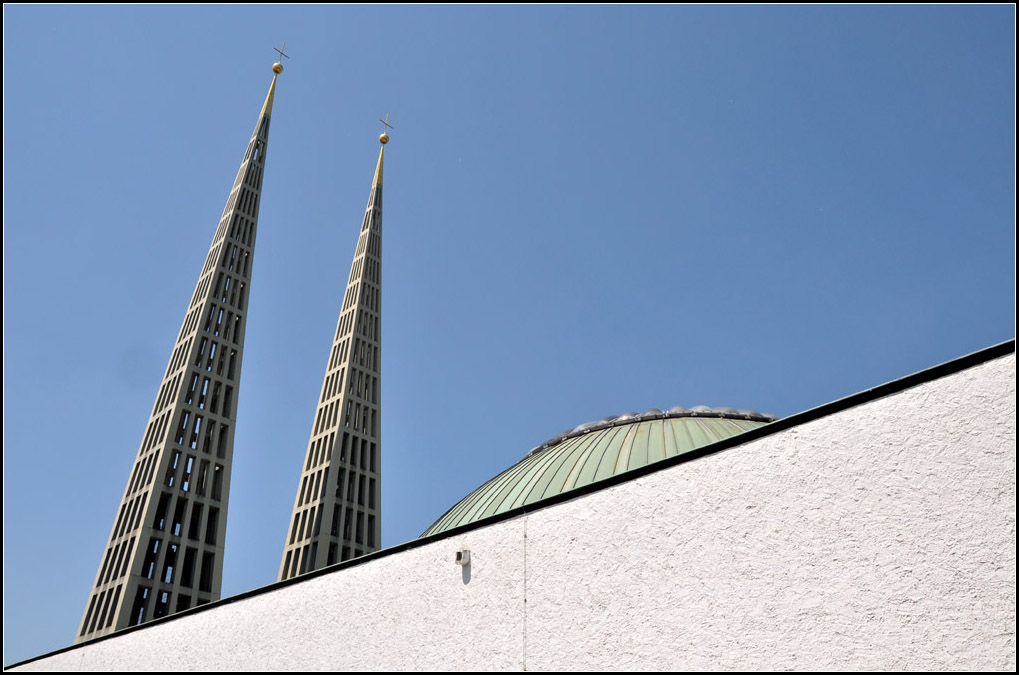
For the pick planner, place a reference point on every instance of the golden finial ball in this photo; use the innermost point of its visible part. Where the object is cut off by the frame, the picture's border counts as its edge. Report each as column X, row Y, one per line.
column 383, row 138
column 277, row 67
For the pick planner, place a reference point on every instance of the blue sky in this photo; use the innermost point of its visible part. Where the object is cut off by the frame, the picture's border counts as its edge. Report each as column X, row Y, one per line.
column 587, row 211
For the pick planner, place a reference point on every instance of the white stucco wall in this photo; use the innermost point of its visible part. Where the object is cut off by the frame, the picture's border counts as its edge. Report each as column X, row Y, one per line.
column 879, row 537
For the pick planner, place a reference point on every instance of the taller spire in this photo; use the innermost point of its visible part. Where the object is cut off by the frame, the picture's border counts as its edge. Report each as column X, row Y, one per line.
column 337, row 510
column 165, row 551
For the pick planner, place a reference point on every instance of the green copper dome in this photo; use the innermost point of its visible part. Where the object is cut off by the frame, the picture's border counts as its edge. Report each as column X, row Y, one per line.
column 595, row 451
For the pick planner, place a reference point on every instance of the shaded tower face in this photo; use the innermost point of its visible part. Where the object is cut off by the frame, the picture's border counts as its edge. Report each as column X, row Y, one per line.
column 338, row 505
column 165, row 552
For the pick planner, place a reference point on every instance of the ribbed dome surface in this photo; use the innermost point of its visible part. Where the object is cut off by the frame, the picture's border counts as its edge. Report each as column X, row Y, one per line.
column 595, row 451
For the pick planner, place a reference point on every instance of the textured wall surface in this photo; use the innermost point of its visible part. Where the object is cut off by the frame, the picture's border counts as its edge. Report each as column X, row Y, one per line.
column 879, row 537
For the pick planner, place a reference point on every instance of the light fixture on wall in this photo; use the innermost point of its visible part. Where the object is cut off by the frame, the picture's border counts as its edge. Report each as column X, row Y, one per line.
column 463, row 558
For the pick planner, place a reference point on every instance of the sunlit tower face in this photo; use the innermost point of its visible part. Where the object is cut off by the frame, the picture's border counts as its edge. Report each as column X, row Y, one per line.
column 165, row 551
column 337, row 510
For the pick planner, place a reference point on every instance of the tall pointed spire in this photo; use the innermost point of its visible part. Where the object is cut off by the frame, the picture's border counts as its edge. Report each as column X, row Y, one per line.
column 165, row 552
column 337, row 510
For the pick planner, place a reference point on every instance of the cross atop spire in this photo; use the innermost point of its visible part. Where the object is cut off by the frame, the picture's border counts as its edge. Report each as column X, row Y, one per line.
column 278, row 66
column 280, row 50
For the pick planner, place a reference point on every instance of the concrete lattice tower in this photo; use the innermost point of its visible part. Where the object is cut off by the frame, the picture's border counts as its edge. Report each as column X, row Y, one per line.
column 337, row 510
column 165, row 552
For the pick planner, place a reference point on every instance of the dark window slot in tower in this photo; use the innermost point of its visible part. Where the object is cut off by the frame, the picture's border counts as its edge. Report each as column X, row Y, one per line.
column 212, row 526
column 171, row 469
column 182, row 430
column 113, row 606
column 149, row 564
column 339, row 483
column 162, row 607
column 169, row 563
column 334, row 529
column 217, row 482
column 195, row 528
column 178, row 517
column 210, row 432
column 159, row 522
column 127, row 558
column 208, row 562
column 141, row 601
column 224, row 432
column 187, row 569
column 208, row 319
column 195, row 431
column 214, row 402
column 219, row 285
column 318, row 523
column 200, row 356
column 203, row 394
column 203, row 479
column 185, row 482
